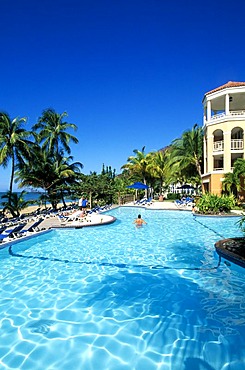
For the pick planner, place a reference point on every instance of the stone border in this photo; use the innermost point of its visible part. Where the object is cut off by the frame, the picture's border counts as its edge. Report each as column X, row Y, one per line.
column 236, row 258
column 209, row 215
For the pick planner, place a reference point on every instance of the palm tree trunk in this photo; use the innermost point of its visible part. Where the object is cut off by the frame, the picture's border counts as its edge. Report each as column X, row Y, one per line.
column 146, row 190
column 62, row 198
column 11, row 176
column 90, row 199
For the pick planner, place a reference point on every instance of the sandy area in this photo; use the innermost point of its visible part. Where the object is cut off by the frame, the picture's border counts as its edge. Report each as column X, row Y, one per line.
column 31, row 209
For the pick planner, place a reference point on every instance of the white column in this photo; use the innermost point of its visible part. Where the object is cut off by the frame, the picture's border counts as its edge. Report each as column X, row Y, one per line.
column 227, row 151
column 227, row 104
column 210, row 144
column 205, row 154
column 208, row 110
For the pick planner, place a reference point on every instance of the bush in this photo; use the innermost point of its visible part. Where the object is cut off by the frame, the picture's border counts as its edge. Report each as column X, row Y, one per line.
column 173, row 196
column 214, row 204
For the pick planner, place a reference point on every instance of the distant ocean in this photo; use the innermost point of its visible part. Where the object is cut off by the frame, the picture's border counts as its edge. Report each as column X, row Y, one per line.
column 29, row 196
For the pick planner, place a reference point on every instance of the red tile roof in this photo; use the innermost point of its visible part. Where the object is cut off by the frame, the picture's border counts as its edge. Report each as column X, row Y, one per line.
column 227, row 85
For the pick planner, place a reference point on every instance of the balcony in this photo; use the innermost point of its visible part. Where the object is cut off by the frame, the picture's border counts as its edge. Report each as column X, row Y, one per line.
column 218, row 146
column 236, row 144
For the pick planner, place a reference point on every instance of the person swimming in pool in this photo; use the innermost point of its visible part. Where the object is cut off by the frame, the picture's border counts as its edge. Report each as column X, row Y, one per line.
column 139, row 221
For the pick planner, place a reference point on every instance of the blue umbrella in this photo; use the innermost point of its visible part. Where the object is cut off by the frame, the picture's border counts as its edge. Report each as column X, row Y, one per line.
column 138, row 185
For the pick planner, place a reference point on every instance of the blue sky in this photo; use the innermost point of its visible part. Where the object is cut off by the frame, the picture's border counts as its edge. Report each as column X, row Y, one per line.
column 129, row 73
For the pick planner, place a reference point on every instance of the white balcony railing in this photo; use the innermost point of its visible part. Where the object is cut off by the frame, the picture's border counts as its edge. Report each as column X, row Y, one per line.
column 217, row 116
column 218, row 168
column 237, row 113
column 218, row 146
column 236, row 144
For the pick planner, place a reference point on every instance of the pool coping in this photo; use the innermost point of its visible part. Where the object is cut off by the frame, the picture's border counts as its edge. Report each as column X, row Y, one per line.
column 31, row 235
column 22, row 238
column 221, row 250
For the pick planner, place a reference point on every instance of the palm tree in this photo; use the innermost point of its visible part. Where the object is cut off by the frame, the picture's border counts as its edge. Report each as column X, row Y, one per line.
column 67, row 173
column 52, row 131
column 15, row 202
column 14, row 143
column 232, row 182
column 42, row 171
column 186, row 153
column 138, row 165
column 157, row 166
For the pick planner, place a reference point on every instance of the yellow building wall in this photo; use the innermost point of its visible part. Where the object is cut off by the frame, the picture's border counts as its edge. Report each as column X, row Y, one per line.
column 216, row 183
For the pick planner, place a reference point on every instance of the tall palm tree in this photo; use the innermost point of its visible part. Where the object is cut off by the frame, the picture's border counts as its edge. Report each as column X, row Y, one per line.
column 14, row 143
column 157, row 166
column 137, row 164
column 186, row 153
column 52, row 131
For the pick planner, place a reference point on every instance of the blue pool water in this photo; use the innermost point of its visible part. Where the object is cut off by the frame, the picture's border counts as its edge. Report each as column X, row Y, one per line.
column 118, row 297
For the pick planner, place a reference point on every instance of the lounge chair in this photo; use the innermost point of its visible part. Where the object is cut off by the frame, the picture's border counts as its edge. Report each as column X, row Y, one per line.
column 31, row 228
column 184, row 202
column 140, row 202
column 72, row 217
column 147, row 201
column 179, row 203
column 2, row 228
column 9, row 233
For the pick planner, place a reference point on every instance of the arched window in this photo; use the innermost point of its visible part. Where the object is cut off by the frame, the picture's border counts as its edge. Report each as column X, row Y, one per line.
column 237, row 133
column 237, row 138
column 218, row 141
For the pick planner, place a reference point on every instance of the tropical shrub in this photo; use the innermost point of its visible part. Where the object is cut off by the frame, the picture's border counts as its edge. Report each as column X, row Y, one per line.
column 241, row 223
column 173, row 196
column 214, row 204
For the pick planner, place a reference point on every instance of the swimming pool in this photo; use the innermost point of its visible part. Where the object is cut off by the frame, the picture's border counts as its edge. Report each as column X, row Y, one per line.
column 118, row 297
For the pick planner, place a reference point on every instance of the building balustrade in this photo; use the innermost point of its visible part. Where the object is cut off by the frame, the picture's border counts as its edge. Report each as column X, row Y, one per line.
column 236, row 113
column 217, row 116
column 218, row 168
column 236, row 144
column 218, row 146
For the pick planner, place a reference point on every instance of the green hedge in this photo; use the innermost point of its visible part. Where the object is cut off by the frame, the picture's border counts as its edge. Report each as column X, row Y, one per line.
column 214, row 204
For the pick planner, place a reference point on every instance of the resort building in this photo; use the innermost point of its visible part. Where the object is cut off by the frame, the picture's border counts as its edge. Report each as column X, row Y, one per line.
column 224, row 125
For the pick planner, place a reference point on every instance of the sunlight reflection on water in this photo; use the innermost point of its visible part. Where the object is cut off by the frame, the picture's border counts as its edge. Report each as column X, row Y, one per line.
column 118, row 297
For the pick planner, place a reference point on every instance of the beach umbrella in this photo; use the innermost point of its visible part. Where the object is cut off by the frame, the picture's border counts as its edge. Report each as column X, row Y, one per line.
column 138, row 186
